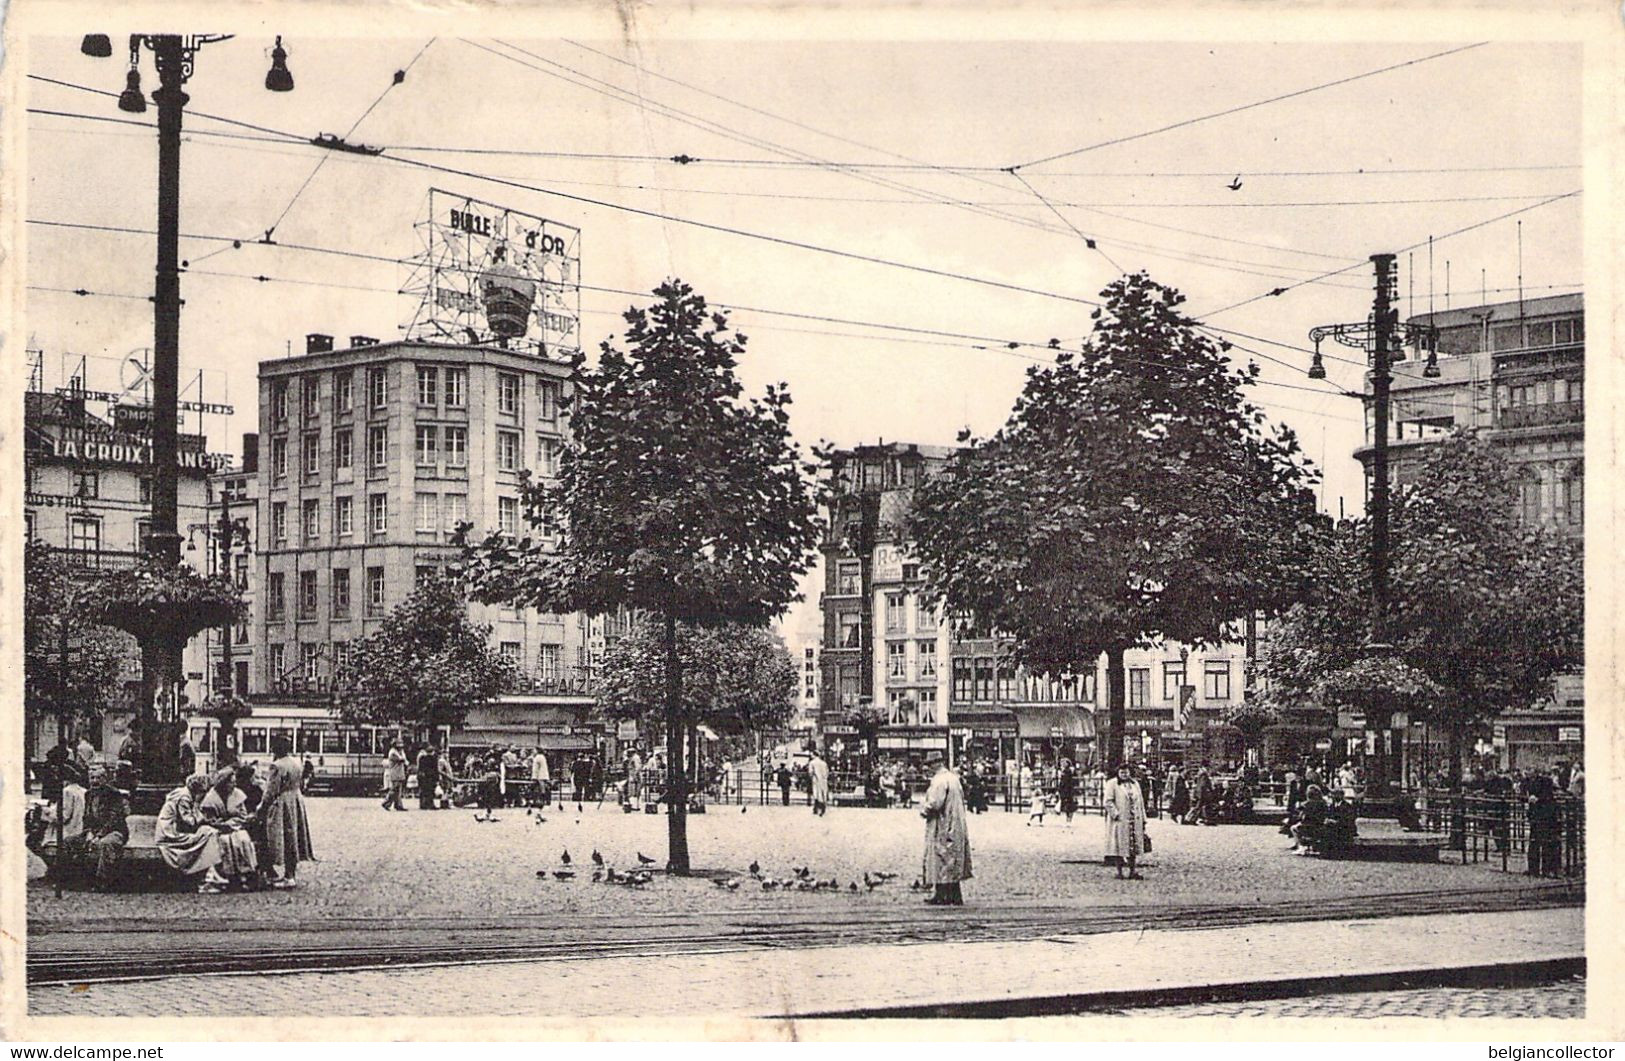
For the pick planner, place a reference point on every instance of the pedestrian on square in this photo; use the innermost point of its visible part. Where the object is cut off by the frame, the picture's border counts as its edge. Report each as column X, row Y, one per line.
column 1545, row 837
column 782, row 777
column 1180, row 805
column 1037, row 806
column 107, row 828
column 947, row 841
column 818, row 775
column 395, row 777
column 225, row 808
column 541, row 778
column 1577, row 782
column 188, row 756
column 282, row 808
column 447, row 779
column 428, row 775
column 1125, row 821
column 1067, row 786
column 84, row 752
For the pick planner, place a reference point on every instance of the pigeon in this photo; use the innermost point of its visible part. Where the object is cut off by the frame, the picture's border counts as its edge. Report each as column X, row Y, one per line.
column 870, row 883
column 542, row 874
column 1235, row 185
column 769, row 884
column 578, row 808
column 755, row 868
column 743, row 810
column 719, row 883
column 614, row 878
column 645, row 859
column 804, row 872
column 833, row 885
column 733, row 885
column 564, row 859
column 885, row 876
column 540, row 819
column 853, row 887
column 564, row 874
column 918, row 885
column 597, row 859
column 597, row 875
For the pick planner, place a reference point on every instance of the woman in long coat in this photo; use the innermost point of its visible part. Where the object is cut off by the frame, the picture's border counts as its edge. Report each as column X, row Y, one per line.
column 287, row 830
column 184, row 839
column 1068, row 787
column 1125, row 821
column 226, row 808
column 947, row 843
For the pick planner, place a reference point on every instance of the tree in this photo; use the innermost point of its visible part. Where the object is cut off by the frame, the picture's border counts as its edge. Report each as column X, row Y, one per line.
column 425, row 666
column 1134, row 495
column 1484, row 611
column 83, row 684
column 677, row 497
column 736, row 679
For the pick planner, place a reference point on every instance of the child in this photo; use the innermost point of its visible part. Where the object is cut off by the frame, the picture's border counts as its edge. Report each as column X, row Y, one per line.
column 1036, row 810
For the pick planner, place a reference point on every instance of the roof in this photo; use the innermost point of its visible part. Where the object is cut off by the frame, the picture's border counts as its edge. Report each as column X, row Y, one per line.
column 1547, row 306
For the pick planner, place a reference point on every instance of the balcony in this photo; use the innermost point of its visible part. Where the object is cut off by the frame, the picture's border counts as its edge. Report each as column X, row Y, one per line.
column 1516, row 416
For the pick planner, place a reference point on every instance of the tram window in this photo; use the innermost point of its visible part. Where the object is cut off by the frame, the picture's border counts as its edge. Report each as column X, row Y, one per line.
column 332, row 741
column 200, row 738
column 283, row 732
column 357, row 742
column 254, row 740
column 310, row 740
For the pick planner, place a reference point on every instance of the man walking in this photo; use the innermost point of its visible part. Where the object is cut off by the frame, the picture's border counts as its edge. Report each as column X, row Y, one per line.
column 541, row 777
column 395, row 777
column 782, row 776
column 947, row 842
column 428, row 776
column 818, row 772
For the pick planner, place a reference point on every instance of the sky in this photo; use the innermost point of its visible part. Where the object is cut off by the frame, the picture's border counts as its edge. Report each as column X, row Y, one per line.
column 1482, row 132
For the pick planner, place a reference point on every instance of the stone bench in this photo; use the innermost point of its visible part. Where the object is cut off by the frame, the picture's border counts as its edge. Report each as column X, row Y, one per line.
column 1391, row 845
column 140, row 858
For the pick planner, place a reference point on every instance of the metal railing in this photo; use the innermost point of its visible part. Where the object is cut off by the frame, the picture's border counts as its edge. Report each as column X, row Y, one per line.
column 1512, row 833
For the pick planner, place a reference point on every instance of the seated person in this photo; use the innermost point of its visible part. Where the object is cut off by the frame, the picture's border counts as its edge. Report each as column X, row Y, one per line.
column 107, row 827
column 69, row 809
column 225, row 807
column 1311, row 824
column 1340, row 828
column 185, row 841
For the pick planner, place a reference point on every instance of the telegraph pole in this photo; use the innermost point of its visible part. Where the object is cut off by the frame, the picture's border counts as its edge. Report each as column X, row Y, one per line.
column 1383, row 319
column 173, row 63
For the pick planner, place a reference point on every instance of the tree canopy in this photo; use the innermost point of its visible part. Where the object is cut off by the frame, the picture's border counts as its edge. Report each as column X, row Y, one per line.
column 56, row 595
column 427, row 665
column 736, row 679
column 1134, row 495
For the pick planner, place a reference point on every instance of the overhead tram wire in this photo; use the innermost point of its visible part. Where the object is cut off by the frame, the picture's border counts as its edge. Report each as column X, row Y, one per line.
column 289, row 137
column 1246, row 106
column 1087, row 241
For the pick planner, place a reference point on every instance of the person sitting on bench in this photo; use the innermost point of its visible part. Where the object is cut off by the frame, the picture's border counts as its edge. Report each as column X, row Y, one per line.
column 107, row 827
column 1340, row 829
column 1310, row 827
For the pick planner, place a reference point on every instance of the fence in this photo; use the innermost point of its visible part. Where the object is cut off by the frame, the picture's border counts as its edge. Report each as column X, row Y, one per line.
column 1542, row 839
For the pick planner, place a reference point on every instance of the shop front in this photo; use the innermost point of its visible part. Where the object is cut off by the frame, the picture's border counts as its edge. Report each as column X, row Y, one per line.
column 1048, row 733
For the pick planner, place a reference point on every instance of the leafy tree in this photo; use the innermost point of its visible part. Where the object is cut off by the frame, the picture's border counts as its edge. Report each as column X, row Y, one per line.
column 677, row 497
column 84, row 685
column 1483, row 611
column 1134, row 495
column 425, row 666
column 735, row 679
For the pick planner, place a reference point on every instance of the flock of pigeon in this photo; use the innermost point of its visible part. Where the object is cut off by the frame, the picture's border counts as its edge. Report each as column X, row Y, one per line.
column 800, row 880
column 603, row 872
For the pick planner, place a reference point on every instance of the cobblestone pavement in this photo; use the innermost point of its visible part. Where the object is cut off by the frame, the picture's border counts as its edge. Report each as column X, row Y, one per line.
column 824, row 980
column 1564, row 999
column 377, row 864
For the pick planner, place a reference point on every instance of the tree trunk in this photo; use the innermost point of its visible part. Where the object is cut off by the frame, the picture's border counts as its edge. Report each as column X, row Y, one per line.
column 1453, row 752
column 676, row 776
column 1116, row 709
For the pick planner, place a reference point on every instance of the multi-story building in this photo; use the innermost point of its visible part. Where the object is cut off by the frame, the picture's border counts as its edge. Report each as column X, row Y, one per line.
column 88, row 493
column 371, row 458
column 1515, row 370
column 942, row 688
column 229, row 536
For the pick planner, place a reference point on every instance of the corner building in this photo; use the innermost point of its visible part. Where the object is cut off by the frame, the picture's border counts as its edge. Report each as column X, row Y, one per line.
column 370, row 458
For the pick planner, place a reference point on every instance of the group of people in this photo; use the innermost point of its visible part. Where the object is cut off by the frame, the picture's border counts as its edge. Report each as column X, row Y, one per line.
column 1321, row 819
column 90, row 805
column 1196, row 797
column 500, row 776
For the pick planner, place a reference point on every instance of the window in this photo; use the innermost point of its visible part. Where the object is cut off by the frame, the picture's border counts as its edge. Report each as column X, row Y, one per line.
column 276, row 661
column 28, row 526
column 1139, row 686
column 896, row 620
column 378, row 513
column 1577, row 390
column 897, row 660
column 984, row 679
column 512, row 650
column 310, row 397
column 547, row 456
column 86, row 484
column 254, row 736
column 428, row 385
column 963, row 686
column 341, row 656
column 428, row 512
column 241, row 667
column 239, row 564
column 341, row 593
column 900, row 708
column 848, row 578
column 344, row 450
column 377, row 449
column 310, row 518
column 911, row 572
column 1506, row 337
column 310, row 663
column 549, row 663
column 310, row 448
column 507, row 394
column 276, row 601
column 375, row 591
column 850, row 633
column 377, row 388
column 456, row 447
column 456, row 510
column 279, row 401
column 344, row 392
column 279, row 523
column 307, row 594
column 1089, row 687
column 508, row 451
column 1529, row 497
column 925, row 617
column 1173, row 676
column 1216, row 679
column 928, row 706
column 143, row 534
column 425, row 445
column 926, row 653
column 456, row 388
column 508, row 515
column 279, row 457
column 85, row 534
column 547, row 400
column 344, row 516
column 1574, row 497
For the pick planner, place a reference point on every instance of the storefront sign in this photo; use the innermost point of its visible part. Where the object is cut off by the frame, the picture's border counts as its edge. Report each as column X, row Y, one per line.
column 888, row 565
column 626, row 729
column 1569, row 734
column 53, row 501
column 134, row 451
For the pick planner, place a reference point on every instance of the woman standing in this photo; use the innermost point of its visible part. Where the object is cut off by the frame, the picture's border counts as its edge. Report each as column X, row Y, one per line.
column 1125, row 821
column 1068, row 786
column 287, row 830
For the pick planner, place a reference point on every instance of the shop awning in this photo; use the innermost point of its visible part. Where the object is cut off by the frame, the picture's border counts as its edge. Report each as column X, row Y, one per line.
column 1049, row 722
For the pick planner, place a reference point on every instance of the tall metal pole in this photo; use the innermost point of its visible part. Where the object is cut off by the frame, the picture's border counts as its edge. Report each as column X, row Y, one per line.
column 1384, row 317
column 227, row 540
column 170, row 58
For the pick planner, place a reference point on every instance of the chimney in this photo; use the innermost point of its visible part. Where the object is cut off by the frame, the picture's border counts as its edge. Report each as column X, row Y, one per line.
column 357, row 341
column 317, row 343
column 251, row 452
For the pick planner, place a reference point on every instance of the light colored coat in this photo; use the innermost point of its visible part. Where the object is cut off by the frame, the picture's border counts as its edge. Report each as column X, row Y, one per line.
column 947, row 843
column 395, row 766
column 819, row 770
column 184, row 840
column 1125, row 819
column 237, row 855
column 287, row 831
